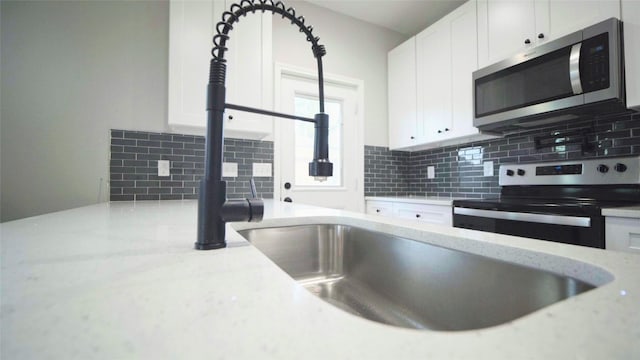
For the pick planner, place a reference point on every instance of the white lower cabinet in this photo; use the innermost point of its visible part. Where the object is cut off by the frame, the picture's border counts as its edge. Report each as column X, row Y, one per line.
column 381, row 208
column 433, row 214
column 622, row 234
column 428, row 213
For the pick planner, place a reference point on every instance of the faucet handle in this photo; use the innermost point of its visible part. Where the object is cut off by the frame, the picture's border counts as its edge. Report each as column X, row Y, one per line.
column 250, row 209
column 252, row 185
column 256, row 205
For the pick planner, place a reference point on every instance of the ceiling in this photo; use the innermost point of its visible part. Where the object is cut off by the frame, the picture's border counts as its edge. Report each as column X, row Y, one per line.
column 407, row 17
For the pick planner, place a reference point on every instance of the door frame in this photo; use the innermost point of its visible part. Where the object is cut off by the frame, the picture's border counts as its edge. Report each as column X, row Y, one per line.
column 287, row 70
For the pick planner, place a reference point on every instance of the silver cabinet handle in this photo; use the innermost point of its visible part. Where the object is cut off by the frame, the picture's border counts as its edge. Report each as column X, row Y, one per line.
column 535, row 218
column 574, row 69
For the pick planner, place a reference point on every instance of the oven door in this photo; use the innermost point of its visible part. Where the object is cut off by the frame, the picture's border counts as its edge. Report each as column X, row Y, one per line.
column 584, row 230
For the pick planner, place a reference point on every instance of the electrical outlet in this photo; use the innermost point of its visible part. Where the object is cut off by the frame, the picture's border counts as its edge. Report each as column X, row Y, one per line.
column 488, row 168
column 261, row 169
column 229, row 169
column 431, row 172
column 163, row 168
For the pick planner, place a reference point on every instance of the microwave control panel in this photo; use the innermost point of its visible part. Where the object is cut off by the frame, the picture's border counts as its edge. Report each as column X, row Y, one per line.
column 594, row 63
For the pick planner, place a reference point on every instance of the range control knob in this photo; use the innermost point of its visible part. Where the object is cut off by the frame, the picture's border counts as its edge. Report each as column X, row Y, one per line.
column 509, row 172
column 521, row 172
column 620, row 167
column 603, row 168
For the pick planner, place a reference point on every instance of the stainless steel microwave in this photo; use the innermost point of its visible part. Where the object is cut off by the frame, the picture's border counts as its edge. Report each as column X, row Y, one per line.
column 576, row 75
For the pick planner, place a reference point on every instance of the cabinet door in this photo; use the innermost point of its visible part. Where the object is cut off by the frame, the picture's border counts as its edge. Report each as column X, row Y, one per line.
column 433, row 214
column 248, row 68
column 380, row 208
column 565, row 17
column 433, row 63
column 249, row 75
column 402, row 95
column 622, row 234
column 191, row 29
column 631, row 19
column 464, row 61
column 503, row 28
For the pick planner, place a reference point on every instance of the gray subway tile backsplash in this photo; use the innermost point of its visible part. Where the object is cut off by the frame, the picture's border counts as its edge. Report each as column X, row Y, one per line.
column 134, row 166
column 459, row 169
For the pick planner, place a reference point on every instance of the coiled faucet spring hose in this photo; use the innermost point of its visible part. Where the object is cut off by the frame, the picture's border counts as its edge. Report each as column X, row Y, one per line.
column 234, row 15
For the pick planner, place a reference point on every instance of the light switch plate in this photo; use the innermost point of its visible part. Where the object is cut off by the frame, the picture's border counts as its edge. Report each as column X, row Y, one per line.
column 163, row 168
column 488, row 168
column 261, row 169
column 431, row 172
column 229, row 169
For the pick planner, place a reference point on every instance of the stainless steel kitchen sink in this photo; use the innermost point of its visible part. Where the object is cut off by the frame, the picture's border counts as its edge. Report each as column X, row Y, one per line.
column 408, row 283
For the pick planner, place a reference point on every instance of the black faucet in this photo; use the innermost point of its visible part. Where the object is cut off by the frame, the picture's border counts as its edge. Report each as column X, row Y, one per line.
column 214, row 210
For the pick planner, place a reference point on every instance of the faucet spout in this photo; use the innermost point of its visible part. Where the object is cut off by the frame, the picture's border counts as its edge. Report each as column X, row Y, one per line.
column 214, row 210
column 320, row 168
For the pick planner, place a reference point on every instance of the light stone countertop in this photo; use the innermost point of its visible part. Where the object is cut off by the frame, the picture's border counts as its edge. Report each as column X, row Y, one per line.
column 122, row 280
column 628, row 212
column 413, row 199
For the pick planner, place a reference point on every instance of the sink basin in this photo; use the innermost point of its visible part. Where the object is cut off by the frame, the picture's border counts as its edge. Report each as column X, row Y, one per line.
column 407, row 283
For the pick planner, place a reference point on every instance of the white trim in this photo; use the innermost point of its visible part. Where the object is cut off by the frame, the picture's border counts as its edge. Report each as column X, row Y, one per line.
column 282, row 70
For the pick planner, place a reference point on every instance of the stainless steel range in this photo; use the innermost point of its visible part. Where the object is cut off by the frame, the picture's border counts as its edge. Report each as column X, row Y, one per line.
column 560, row 201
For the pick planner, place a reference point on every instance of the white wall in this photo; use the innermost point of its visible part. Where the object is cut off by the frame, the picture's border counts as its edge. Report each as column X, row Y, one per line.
column 355, row 49
column 70, row 72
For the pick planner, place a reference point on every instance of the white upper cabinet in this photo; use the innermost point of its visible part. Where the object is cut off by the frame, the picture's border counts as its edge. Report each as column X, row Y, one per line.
column 506, row 27
column 464, row 61
column 403, row 131
column 631, row 19
column 190, row 32
column 433, row 89
column 249, row 68
column 565, row 17
column 433, row 53
column 249, row 75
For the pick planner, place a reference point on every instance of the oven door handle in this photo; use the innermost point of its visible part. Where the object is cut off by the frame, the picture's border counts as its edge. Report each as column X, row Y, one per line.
column 517, row 216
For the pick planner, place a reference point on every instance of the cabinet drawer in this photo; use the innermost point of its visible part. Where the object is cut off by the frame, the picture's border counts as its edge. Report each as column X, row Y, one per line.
column 434, row 214
column 381, row 208
column 622, row 234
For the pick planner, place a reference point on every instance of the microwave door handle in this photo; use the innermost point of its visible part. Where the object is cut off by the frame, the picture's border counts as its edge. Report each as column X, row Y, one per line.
column 574, row 69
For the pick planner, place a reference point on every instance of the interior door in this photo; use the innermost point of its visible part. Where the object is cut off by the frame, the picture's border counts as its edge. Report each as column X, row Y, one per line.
column 344, row 190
